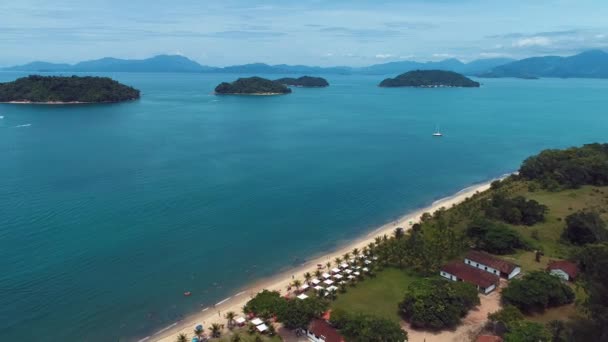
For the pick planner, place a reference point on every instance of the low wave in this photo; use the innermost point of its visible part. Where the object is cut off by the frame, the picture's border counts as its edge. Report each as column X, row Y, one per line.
column 24, row 125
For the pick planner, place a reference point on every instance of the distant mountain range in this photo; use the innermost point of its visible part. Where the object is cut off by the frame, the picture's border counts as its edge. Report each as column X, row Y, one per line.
column 590, row 64
column 171, row 63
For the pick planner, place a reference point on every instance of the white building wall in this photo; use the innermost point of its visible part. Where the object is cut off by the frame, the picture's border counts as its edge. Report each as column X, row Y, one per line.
column 313, row 338
column 448, row 276
column 515, row 272
column 482, row 267
column 560, row 273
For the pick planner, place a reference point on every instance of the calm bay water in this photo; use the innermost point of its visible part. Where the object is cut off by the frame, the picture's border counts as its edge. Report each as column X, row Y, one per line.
column 108, row 213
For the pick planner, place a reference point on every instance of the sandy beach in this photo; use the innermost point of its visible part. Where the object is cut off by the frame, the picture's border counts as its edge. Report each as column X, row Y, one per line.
column 215, row 314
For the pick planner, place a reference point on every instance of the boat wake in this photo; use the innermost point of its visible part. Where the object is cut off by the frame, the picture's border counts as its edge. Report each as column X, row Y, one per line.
column 24, row 125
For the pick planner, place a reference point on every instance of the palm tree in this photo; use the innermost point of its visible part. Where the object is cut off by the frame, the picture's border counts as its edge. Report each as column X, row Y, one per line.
column 317, row 273
column 338, row 261
column 332, row 294
column 297, row 283
column 356, row 252
column 399, row 232
column 216, row 330
column 371, row 247
column 199, row 332
column 236, row 338
column 328, row 264
column 378, row 240
column 342, row 288
column 182, row 338
column 307, row 277
column 384, row 238
column 346, row 256
column 230, row 315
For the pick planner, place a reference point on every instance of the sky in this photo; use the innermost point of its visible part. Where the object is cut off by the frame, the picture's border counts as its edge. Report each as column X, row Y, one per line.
column 311, row 32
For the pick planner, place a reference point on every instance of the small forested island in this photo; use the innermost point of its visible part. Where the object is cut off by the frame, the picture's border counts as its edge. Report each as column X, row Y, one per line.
column 63, row 90
column 429, row 79
column 252, row 86
column 304, row 81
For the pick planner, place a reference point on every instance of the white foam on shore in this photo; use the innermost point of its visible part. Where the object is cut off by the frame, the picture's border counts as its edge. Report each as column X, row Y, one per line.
column 240, row 293
column 144, row 339
column 205, row 309
column 165, row 329
column 223, row 301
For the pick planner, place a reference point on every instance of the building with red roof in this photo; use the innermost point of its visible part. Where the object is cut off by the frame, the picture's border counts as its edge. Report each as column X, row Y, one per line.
column 321, row 331
column 566, row 270
column 491, row 264
column 489, row 338
column 458, row 271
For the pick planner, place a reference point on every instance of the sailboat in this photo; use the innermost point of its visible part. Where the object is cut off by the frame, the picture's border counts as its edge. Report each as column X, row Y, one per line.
column 437, row 133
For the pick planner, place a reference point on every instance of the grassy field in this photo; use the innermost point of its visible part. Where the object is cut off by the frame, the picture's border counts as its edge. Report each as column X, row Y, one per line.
column 379, row 295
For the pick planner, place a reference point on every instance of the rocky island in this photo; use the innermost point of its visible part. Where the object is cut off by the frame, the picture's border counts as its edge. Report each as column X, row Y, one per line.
column 304, row 81
column 429, row 79
column 252, row 86
column 66, row 90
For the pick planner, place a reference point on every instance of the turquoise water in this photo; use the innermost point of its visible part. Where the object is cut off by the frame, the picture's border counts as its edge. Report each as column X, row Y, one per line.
column 108, row 213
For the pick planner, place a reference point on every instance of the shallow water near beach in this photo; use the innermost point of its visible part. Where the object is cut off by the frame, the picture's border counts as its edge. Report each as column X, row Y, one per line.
column 109, row 213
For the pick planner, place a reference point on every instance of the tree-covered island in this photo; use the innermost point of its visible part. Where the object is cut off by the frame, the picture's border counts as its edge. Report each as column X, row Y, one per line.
column 60, row 89
column 430, row 79
column 304, row 81
column 252, row 86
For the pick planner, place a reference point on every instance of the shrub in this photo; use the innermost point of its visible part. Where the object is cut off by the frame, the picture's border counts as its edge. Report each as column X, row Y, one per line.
column 437, row 303
column 585, row 227
column 537, row 291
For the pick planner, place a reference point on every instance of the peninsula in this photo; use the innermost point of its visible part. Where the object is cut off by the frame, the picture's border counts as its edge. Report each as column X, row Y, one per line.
column 252, row 86
column 304, row 81
column 66, row 90
column 429, row 79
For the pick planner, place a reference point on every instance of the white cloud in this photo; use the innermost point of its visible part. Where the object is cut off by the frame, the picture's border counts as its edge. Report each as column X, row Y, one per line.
column 492, row 55
column 532, row 41
column 384, row 56
column 442, row 55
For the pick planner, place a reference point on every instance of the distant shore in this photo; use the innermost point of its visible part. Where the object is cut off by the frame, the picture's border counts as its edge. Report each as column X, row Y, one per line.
column 62, row 102
column 215, row 313
column 255, row 94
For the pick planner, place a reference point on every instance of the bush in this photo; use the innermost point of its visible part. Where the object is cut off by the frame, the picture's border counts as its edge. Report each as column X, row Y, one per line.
column 266, row 304
column 360, row 327
column 517, row 210
column 509, row 315
column 437, row 303
column 525, row 331
column 537, row 291
column 585, row 227
column 494, row 237
column 298, row 313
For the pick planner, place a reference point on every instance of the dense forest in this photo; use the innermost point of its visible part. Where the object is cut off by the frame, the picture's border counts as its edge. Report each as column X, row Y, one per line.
column 304, row 81
column 569, row 168
column 41, row 89
column 252, row 86
column 429, row 79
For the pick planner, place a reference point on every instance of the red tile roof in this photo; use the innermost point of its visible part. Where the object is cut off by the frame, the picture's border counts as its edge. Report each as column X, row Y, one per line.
column 489, row 338
column 569, row 267
column 471, row 274
column 489, row 260
column 320, row 327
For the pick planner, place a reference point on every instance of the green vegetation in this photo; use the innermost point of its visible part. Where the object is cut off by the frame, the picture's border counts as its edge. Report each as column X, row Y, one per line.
column 429, row 79
column 524, row 331
column 378, row 295
column 508, row 316
column 304, row 81
column 585, row 227
column 359, row 327
column 537, row 291
column 516, row 210
column 569, row 168
column 437, row 303
column 494, row 237
column 252, row 86
column 266, row 304
column 87, row 89
column 299, row 313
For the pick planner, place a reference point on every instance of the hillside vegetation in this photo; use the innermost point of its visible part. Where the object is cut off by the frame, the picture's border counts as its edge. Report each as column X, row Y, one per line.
column 41, row 89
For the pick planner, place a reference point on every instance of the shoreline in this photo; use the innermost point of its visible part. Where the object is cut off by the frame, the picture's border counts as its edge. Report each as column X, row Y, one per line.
column 64, row 103
column 280, row 281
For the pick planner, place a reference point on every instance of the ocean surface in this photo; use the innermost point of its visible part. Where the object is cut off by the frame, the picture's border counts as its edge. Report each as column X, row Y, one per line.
column 108, row 213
